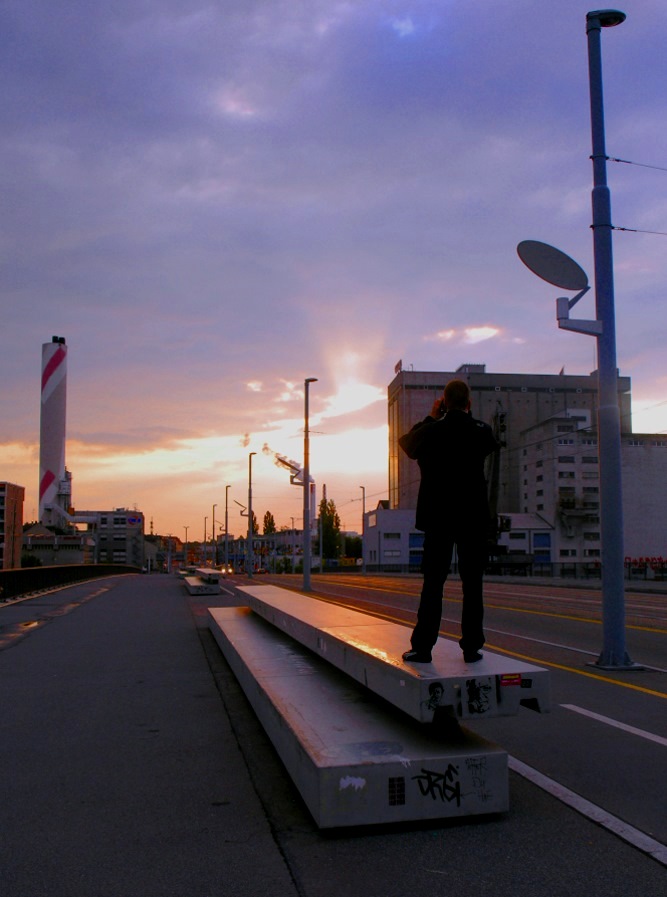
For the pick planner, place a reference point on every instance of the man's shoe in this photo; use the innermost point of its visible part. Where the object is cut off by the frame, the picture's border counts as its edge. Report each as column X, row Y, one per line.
column 417, row 656
column 472, row 656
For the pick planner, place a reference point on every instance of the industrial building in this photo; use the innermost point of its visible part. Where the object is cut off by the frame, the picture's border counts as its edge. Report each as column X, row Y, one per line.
column 545, row 485
column 63, row 534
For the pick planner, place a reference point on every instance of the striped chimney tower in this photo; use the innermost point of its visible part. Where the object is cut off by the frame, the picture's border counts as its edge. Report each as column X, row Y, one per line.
column 52, row 426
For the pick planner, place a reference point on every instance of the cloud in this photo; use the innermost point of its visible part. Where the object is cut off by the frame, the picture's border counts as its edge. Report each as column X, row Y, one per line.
column 465, row 335
column 213, row 202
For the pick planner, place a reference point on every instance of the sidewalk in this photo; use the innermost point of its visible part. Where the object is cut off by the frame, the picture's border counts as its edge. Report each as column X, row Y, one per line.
column 132, row 766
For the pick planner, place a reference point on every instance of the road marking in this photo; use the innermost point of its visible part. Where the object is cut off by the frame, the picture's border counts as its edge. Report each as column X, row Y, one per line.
column 528, row 638
column 617, row 725
column 591, row 811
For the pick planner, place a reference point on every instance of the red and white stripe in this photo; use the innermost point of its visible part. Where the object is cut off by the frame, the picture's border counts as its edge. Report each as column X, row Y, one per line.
column 52, row 423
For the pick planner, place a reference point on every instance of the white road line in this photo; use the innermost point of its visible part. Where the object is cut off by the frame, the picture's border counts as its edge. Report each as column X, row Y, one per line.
column 649, row 736
column 528, row 638
column 596, row 814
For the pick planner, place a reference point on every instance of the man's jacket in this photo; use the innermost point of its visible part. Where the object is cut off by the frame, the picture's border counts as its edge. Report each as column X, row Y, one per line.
column 450, row 453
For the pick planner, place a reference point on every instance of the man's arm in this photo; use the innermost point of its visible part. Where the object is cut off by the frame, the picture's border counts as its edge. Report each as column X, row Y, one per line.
column 413, row 440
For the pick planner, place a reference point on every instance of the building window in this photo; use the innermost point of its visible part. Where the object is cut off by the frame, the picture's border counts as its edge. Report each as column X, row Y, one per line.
column 539, row 463
column 540, row 507
column 591, row 537
column 391, row 535
column 517, row 535
column 591, row 490
column 591, row 552
column 539, row 478
column 589, row 459
column 566, row 459
column 566, row 442
column 565, row 474
column 635, row 442
column 540, row 492
column 392, row 554
column 564, row 428
column 568, row 552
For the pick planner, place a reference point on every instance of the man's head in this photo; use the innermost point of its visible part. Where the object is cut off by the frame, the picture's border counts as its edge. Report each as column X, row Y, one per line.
column 457, row 396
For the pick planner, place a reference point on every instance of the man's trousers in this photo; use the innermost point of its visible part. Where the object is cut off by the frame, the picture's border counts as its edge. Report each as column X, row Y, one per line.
column 471, row 548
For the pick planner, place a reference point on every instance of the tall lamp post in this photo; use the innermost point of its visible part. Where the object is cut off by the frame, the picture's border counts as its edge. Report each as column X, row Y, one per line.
column 215, row 543
column 185, row 549
column 557, row 268
column 249, row 553
column 613, row 654
column 363, row 527
column 306, row 488
column 227, row 488
column 204, row 543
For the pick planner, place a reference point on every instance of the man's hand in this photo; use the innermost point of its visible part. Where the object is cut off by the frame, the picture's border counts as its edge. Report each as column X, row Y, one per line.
column 438, row 408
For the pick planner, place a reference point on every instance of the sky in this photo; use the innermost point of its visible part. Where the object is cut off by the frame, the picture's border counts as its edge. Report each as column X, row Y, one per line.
column 213, row 201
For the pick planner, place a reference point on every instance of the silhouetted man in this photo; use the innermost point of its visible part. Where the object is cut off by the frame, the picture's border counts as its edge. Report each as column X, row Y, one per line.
column 452, row 509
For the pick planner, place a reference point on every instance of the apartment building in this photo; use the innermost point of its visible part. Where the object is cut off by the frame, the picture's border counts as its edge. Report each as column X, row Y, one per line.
column 11, row 524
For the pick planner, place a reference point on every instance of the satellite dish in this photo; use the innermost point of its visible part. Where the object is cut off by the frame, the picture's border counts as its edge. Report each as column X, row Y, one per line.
column 552, row 265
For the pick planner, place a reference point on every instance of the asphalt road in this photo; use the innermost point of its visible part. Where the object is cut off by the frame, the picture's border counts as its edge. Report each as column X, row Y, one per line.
column 133, row 765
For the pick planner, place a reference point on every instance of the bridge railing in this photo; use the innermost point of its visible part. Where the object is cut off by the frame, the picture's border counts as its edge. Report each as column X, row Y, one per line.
column 25, row 580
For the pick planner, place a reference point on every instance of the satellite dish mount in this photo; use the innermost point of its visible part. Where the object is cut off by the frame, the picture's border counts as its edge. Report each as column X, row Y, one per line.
column 557, row 268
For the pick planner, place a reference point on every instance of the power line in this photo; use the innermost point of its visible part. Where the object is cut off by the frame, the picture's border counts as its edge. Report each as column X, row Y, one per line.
column 639, row 164
column 636, row 230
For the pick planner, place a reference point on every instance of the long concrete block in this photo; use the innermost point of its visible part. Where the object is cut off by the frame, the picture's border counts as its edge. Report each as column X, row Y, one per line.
column 369, row 650
column 354, row 759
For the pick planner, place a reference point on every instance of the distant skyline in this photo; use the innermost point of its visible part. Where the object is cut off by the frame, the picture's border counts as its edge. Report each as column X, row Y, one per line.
column 214, row 201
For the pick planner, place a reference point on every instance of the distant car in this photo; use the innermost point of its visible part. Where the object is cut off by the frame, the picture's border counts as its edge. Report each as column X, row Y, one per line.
column 225, row 569
column 261, row 570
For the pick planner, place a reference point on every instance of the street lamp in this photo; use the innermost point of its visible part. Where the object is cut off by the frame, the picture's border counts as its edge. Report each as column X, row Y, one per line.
column 249, row 553
column 363, row 527
column 557, row 268
column 215, row 543
column 306, row 488
column 185, row 550
column 204, row 544
column 227, row 488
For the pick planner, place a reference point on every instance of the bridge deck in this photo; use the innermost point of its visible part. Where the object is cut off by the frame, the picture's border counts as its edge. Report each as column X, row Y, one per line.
column 369, row 651
column 355, row 760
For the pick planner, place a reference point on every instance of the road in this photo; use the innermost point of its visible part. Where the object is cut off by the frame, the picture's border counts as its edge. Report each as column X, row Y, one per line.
column 605, row 740
column 134, row 766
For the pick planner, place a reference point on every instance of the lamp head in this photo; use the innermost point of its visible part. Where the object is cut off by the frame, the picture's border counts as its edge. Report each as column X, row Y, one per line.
column 606, row 18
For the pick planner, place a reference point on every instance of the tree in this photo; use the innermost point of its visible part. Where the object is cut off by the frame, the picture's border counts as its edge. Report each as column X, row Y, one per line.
column 330, row 523
column 269, row 524
column 255, row 525
column 352, row 546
